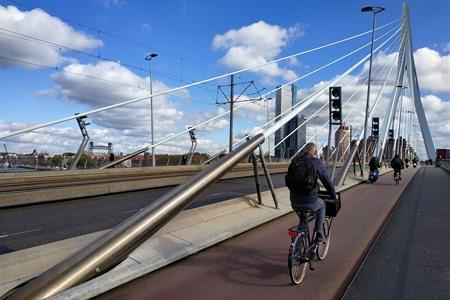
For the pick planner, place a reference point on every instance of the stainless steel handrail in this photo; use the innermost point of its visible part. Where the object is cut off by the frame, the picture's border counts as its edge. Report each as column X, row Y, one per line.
column 112, row 248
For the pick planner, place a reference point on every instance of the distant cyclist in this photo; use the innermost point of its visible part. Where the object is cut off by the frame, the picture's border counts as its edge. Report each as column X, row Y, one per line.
column 397, row 165
column 373, row 168
column 301, row 180
column 415, row 161
column 374, row 164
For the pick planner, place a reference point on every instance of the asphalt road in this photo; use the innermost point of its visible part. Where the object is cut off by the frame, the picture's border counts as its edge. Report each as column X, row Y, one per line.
column 410, row 260
column 253, row 265
column 28, row 226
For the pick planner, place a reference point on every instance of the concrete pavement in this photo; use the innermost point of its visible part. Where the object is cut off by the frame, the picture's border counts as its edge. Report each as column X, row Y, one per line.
column 410, row 260
column 253, row 265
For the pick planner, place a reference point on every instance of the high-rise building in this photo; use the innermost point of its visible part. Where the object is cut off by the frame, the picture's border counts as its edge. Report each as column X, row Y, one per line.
column 342, row 142
column 285, row 99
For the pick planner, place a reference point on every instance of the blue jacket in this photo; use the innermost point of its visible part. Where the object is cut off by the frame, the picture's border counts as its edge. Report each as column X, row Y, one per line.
column 312, row 196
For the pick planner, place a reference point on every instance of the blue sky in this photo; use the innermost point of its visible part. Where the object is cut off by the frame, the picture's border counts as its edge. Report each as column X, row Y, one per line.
column 182, row 33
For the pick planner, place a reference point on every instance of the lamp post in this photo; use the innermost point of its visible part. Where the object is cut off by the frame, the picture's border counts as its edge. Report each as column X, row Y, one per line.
column 149, row 58
column 399, row 143
column 409, row 112
column 374, row 10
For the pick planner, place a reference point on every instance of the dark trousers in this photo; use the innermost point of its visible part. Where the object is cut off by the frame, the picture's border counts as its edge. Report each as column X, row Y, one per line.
column 319, row 208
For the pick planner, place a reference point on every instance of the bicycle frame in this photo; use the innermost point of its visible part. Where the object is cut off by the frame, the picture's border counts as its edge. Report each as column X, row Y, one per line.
column 303, row 227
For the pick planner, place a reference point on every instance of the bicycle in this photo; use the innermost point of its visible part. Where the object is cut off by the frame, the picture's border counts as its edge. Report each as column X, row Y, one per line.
column 397, row 178
column 303, row 248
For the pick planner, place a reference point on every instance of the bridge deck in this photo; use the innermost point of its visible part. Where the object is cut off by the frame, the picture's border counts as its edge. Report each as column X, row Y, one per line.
column 254, row 264
column 410, row 260
column 28, row 226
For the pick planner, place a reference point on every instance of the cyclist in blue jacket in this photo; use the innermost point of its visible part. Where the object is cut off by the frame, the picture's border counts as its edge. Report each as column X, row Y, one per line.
column 308, row 198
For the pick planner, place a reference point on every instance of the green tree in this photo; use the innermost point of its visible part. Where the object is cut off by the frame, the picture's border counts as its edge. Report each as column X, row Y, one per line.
column 56, row 160
column 86, row 159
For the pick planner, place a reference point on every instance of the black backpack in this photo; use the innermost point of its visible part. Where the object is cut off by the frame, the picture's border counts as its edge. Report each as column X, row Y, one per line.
column 301, row 176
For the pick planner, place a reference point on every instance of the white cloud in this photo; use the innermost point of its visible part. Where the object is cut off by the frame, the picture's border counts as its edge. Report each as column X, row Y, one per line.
column 133, row 117
column 433, row 70
column 255, row 44
column 38, row 24
column 66, row 139
column 437, row 112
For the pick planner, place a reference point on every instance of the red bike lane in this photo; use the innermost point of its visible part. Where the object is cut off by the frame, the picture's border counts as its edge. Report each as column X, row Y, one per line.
column 253, row 265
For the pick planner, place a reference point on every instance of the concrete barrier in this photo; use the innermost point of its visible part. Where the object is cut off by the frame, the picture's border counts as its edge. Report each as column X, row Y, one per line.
column 445, row 164
column 38, row 187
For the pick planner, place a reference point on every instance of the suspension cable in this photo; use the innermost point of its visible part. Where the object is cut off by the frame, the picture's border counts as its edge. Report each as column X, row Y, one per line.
column 178, row 88
column 310, row 99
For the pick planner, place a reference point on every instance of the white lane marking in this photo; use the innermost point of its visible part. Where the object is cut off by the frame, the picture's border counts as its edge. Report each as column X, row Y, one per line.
column 130, row 211
column 225, row 193
column 19, row 233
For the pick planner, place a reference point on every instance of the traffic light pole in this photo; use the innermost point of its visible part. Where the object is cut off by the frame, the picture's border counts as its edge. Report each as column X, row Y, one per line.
column 335, row 118
column 82, row 124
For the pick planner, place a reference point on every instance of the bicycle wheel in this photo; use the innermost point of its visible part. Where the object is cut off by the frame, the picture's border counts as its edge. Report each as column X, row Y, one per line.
column 322, row 249
column 297, row 259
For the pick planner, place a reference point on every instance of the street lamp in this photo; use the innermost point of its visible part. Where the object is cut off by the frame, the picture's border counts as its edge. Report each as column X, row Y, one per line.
column 410, row 113
column 374, row 10
column 399, row 143
column 149, row 58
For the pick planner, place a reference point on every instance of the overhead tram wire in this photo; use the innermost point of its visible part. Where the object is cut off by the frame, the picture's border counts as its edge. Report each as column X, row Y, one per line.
column 177, row 88
column 119, row 37
column 268, row 93
column 59, row 46
column 273, row 90
column 220, row 115
column 276, row 117
column 308, row 74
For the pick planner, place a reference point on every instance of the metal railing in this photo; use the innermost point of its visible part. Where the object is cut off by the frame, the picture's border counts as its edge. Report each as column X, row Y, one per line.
column 109, row 250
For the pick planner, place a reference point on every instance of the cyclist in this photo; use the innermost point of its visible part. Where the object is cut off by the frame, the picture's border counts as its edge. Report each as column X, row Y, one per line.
column 397, row 165
column 373, row 168
column 415, row 161
column 374, row 164
column 301, row 180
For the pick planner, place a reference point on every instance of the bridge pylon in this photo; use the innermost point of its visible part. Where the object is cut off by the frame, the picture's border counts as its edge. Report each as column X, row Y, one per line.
column 406, row 71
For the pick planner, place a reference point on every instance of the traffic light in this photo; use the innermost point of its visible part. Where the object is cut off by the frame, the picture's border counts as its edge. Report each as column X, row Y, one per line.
column 391, row 134
column 335, row 97
column 375, row 127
